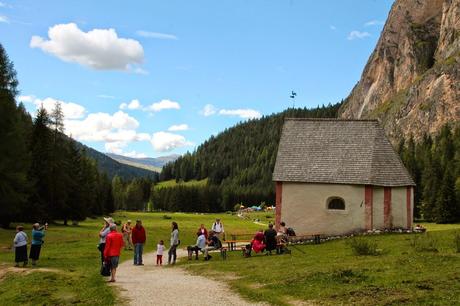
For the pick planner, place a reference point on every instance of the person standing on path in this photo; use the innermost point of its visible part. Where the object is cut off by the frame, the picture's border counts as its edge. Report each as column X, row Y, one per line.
column 174, row 243
column 138, row 236
column 160, row 250
column 113, row 246
column 103, row 234
column 20, row 246
column 37, row 240
column 126, row 230
column 218, row 229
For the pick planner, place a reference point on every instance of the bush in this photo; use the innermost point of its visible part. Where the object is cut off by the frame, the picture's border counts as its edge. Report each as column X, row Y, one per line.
column 361, row 246
column 457, row 241
column 424, row 243
column 269, row 216
column 166, row 217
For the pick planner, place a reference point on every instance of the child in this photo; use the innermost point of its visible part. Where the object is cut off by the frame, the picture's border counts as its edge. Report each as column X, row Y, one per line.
column 160, row 250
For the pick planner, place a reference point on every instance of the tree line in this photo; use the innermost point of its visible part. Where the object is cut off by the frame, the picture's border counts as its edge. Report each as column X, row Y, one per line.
column 434, row 163
column 44, row 176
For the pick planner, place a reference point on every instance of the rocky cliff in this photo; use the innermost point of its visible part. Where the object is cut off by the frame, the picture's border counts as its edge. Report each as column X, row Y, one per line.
column 411, row 82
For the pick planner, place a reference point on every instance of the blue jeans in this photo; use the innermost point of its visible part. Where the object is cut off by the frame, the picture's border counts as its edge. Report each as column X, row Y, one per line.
column 138, row 248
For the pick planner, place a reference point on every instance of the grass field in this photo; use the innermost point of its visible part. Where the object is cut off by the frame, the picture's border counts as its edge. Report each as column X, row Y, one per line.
column 330, row 274
column 71, row 259
column 172, row 183
column 327, row 274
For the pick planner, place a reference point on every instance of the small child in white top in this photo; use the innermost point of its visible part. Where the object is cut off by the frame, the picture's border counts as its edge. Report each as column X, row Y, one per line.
column 160, row 250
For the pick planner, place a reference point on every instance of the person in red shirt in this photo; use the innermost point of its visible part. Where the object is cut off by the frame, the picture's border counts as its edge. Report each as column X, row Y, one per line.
column 138, row 237
column 113, row 245
column 202, row 231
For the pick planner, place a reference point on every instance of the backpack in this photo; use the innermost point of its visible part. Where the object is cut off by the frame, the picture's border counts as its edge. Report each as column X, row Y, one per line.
column 290, row 231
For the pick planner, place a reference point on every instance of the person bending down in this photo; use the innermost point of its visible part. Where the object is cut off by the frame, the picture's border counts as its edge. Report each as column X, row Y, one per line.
column 213, row 244
column 257, row 242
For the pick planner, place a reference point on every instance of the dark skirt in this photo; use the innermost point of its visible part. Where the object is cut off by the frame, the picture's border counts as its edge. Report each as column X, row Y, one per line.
column 35, row 251
column 21, row 254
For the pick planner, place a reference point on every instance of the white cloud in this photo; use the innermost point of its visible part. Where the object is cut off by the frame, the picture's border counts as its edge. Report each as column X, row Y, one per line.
column 358, row 35
column 134, row 154
column 100, row 49
column 165, row 142
column 178, row 127
column 373, row 23
column 163, row 104
column 117, row 148
column 134, row 104
column 156, row 35
column 332, row 27
column 71, row 110
column 246, row 113
column 208, row 110
column 4, row 19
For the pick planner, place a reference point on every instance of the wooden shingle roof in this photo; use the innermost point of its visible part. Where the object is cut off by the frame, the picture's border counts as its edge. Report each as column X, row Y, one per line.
column 338, row 151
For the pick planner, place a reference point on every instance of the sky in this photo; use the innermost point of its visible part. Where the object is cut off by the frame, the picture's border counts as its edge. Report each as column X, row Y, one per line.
column 152, row 78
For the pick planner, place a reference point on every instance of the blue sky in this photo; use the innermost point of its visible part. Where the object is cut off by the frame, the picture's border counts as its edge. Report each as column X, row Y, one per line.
column 151, row 78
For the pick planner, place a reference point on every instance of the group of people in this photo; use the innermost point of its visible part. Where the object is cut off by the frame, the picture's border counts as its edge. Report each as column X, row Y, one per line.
column 20, row 244
column 205, row 241
column 111, row 242
column 268, row 240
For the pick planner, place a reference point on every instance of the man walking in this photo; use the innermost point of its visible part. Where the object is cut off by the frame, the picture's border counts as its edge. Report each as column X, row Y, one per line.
column 113, row 245
column 138, row 236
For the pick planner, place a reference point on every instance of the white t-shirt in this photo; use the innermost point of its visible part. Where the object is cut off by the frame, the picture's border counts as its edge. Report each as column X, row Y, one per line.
column 218, row 227
column 160, row 249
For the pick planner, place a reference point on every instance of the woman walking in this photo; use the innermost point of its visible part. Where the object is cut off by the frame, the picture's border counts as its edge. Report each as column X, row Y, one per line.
column 174, row 243
column 37, row 240
column 20, row 246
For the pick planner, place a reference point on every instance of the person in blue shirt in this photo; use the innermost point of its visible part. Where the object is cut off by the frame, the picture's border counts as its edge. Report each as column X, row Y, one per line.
column 38, row 233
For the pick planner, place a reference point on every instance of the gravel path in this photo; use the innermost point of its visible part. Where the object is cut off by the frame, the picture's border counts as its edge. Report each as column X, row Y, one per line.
column 153, row 285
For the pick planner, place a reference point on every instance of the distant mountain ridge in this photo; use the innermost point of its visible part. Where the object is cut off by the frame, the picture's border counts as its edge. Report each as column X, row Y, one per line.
column 148, row 163
column 113, row 168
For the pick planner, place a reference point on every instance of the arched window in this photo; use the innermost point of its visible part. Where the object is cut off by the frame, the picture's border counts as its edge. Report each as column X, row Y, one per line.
column 336, row 203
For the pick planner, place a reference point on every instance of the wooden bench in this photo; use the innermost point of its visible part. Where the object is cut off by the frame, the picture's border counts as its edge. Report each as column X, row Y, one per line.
column 315, row 237
column 233, row 243
column 234, row 239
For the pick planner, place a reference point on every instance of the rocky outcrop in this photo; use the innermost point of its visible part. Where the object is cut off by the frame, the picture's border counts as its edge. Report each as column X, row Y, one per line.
column 411, row 82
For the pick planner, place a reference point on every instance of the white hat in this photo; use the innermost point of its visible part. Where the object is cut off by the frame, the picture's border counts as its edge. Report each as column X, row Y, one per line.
column 109, row 220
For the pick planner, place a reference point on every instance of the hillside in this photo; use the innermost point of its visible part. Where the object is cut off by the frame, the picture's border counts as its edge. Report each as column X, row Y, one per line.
column 148, row 163
column 411, row 81
column 112, row 167
column 240, row 160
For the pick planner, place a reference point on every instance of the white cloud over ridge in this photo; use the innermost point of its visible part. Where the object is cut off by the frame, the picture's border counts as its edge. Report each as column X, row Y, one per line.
column 71, row 110
column 4, row 19
column 374, row 23
column 166, row 142
column 156, row 35
column 178, row 127
column 99, row 49
column 162, row 105
column 358, row 35
column 245, row 113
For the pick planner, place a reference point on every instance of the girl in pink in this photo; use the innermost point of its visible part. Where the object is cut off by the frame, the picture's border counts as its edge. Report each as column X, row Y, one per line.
column 160, row 250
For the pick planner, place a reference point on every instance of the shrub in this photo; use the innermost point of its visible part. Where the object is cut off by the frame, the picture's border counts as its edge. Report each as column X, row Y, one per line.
column 167, row 217
column 361, row 246
column 424, row 243
column 457, row 241
column 269, row 216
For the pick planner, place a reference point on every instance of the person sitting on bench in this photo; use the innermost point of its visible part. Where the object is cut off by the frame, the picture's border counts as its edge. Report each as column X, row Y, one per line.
column 199, row 246
column 213, row 244
column 257, row 242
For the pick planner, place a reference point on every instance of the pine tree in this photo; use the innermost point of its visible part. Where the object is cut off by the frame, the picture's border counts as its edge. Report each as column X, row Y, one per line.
column 14, row 157
column 446, row 204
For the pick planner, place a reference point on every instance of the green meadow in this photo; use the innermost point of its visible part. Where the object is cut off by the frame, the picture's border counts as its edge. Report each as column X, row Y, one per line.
column 403, row 272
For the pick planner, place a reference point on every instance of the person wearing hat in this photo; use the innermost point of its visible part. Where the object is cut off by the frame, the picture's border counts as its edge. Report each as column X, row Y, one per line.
column 112, row 250
column 126, row 230
column 138, row 236
column 103, row 235
column 37, row 240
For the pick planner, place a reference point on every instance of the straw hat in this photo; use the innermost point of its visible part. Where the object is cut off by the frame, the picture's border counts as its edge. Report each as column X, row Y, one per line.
column 109, row 220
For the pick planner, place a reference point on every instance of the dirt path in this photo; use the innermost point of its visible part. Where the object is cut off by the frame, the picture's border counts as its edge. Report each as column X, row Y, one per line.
column 152, row 285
